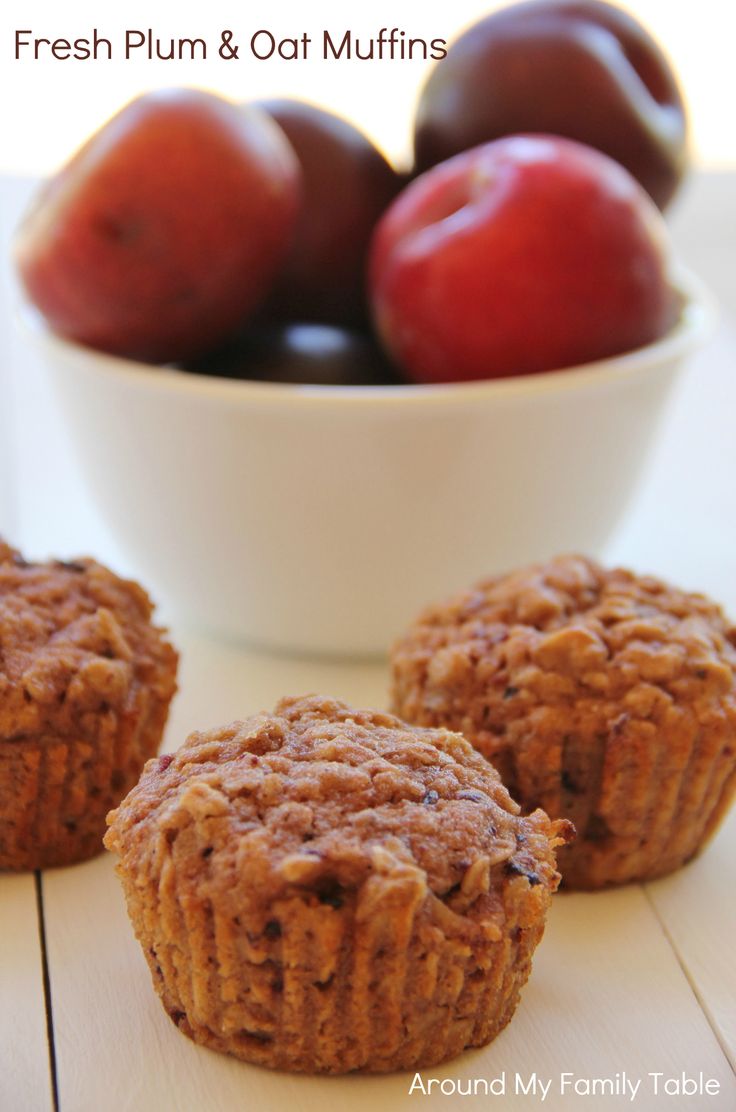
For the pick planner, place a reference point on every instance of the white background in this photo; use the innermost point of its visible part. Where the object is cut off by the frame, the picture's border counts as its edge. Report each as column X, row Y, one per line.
column 49, row 106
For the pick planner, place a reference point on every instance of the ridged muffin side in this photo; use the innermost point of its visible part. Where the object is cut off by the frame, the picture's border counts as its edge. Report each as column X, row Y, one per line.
column 86, row 681
column 324, row 889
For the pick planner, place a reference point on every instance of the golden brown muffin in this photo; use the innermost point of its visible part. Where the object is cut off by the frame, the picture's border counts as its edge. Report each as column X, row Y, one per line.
column 85, row 687
column 599, row 695
column 324, row 889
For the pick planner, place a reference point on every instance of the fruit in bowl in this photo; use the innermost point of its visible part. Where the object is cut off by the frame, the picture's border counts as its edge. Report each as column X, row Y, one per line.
column 164, row 231
column 326, row 517
column 346, row 185
column 300, row 354
column 527, row 254
column 578, row 68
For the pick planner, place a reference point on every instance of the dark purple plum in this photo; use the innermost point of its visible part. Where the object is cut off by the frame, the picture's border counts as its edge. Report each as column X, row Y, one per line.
column 583, row 69
column 302, row 354
column 346, row 186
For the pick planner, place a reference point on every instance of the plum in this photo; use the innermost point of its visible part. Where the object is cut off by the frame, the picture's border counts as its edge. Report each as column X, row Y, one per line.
column 347, row 184
column 527, row 254
column 164, row 231
column 582, row 69
column 302, row 354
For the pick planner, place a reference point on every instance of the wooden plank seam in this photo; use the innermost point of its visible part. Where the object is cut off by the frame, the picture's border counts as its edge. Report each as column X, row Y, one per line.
column 712, row 1023
column 38, row 881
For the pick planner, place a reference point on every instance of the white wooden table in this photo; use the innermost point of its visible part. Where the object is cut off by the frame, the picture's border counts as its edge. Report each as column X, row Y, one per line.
column 626, row 984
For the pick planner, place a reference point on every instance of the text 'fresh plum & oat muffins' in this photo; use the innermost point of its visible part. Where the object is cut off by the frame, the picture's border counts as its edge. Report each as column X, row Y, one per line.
column 600, row 695
column 85, row 686
column 324, row 889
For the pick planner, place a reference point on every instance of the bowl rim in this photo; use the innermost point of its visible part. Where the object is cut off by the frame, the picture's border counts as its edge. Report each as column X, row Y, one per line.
column 694, row 323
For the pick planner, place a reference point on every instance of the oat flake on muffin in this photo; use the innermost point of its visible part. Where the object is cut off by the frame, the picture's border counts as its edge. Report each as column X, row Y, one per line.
column 324, row 889
column 85, row 686
column 600, row 695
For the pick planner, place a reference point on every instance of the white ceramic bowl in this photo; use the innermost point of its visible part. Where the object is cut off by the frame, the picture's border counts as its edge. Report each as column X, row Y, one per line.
column 321, row 519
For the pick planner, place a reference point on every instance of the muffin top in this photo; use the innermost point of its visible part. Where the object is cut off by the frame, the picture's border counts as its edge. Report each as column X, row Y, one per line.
column 316, row 798
column 77, row 648
column 566, row 634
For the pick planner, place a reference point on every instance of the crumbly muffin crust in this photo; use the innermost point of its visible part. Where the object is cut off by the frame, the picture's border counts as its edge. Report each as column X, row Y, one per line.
column 323, row 889
column 85, row 685
column 598, row 694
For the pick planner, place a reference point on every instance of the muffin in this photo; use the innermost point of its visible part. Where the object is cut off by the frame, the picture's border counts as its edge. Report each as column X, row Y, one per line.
column 599, row 695
column 323, row 889
column 85, row 686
